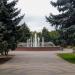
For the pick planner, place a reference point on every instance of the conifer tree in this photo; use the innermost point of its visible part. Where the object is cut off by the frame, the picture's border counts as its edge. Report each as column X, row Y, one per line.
column 65, row 20
column 9, row 16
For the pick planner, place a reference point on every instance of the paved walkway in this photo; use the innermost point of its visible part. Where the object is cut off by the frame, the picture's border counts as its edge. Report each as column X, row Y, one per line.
column 37, row 63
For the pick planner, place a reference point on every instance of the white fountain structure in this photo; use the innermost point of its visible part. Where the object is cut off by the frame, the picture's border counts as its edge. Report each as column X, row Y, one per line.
column 35, row 41
column 42, row 41
column 35, row 44
column 38, row 42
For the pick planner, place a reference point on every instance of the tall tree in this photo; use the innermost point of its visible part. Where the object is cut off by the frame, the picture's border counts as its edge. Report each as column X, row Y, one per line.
column 65, row 20
column 23, row 33
column 55, row 37
column 45, row 34
column 9, row 16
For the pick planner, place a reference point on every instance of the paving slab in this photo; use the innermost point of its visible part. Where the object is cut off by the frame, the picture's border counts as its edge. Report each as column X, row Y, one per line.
column 37, row 63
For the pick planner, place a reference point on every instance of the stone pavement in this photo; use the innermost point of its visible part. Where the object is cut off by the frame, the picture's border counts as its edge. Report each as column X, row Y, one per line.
column 37, row 63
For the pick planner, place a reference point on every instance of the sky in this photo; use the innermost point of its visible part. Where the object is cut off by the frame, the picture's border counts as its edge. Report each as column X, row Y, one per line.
column 35, row 12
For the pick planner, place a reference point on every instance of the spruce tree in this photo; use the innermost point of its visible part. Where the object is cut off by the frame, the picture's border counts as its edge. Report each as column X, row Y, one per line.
column 65, row 20
column 9, row 16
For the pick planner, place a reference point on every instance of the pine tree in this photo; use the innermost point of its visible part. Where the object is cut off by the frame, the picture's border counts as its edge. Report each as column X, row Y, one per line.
column 9, row 16
column 65, row 20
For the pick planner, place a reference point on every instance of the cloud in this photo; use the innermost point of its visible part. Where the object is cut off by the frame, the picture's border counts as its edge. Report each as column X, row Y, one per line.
column 35, row 12
column 36, row 23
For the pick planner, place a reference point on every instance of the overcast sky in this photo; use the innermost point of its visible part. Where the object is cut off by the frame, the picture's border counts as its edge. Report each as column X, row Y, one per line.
column 35, row 12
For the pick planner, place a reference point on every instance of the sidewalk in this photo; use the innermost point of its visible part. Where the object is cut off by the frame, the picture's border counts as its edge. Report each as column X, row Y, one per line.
column 37, row 63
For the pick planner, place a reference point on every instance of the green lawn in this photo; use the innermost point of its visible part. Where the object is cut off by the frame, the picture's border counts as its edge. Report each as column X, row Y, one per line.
column 70, row 57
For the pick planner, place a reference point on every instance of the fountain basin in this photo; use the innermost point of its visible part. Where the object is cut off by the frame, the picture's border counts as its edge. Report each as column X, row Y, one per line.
column 38, row 48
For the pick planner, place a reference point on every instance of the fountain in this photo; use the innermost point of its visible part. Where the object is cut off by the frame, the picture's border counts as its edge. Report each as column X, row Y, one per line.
column 34, row 44
column 35, row 41
column 42, row 41
column 38, row 42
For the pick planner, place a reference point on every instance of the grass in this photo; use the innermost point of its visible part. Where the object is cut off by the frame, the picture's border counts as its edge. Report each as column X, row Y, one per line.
column 70, row 57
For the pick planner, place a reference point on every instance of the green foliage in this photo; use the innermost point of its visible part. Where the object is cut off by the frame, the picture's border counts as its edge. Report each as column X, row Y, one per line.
column 70, row 57
column 4, row 48
column 55, row 37
column 23, row 33
column 65, row 20
column 45, row 34
column 9, row 20
column 1, row 48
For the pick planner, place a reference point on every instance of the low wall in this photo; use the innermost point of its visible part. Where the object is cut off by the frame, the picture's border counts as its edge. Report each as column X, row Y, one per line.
column 38, row 49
